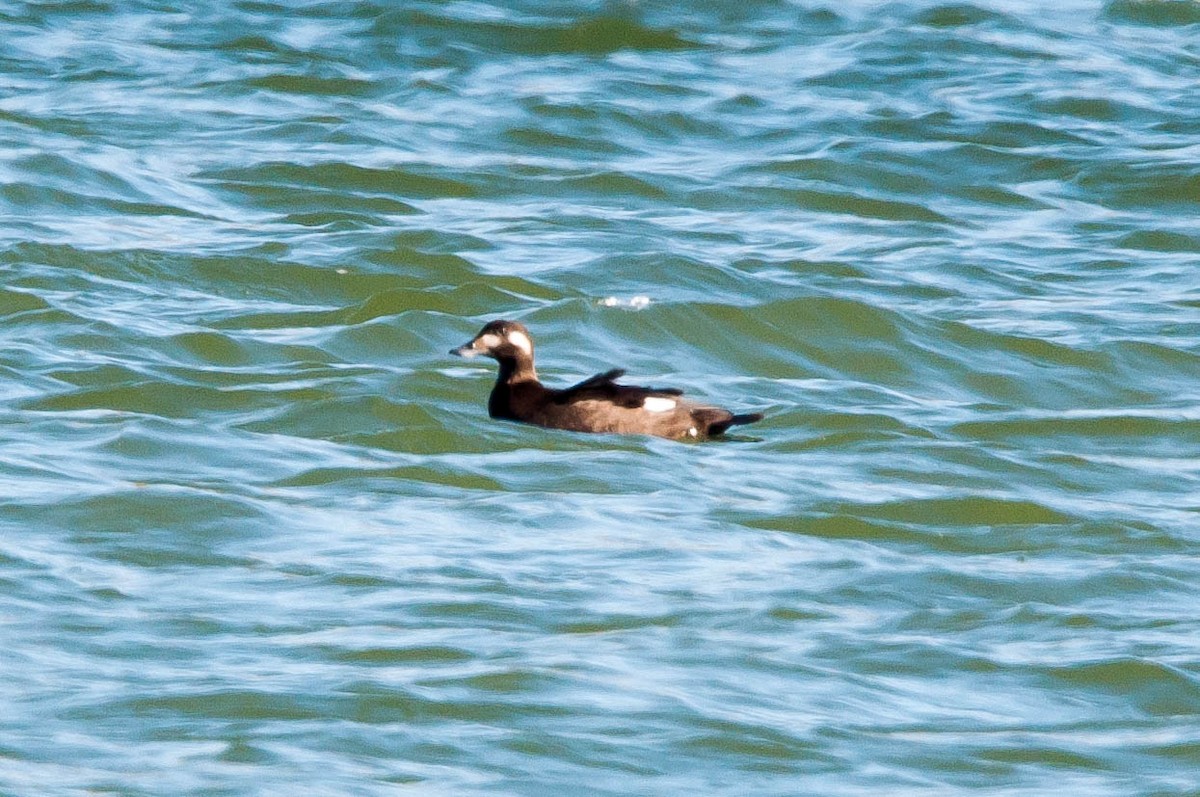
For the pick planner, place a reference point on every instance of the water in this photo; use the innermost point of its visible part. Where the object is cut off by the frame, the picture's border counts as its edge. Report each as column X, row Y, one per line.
column 257, row 533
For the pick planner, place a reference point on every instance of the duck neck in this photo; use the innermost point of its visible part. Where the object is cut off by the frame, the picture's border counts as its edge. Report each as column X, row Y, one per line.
column 514, row 370
column 512, row 373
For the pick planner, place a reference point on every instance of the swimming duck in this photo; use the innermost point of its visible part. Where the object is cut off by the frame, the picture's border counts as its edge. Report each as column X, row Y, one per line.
column 597, row 404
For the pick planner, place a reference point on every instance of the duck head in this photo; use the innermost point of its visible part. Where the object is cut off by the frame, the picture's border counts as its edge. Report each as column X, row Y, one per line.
column 504, row 341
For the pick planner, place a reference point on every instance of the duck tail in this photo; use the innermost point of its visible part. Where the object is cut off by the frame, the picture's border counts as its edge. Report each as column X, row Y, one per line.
column 749, row 417
column 720, row 426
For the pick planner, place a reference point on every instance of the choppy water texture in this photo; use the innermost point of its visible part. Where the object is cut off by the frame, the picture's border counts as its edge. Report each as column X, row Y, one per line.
column 257, row 533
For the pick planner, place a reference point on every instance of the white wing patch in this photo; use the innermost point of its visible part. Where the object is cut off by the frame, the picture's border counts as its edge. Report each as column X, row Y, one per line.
column 521, row 341
column 658, row 404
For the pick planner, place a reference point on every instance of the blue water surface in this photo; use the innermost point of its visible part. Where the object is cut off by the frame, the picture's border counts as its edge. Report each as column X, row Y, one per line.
column 259, row 536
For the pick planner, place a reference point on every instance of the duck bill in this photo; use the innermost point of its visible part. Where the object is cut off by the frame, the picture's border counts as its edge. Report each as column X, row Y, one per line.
column 466, row 350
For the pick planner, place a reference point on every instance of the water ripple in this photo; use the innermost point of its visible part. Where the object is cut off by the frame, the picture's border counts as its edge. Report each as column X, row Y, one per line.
column 258, row 528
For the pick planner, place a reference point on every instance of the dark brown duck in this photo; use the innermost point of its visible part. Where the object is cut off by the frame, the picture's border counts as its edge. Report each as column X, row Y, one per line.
column 597, row 404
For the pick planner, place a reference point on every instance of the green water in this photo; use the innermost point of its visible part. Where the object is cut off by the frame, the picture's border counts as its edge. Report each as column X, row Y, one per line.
column 258, row 535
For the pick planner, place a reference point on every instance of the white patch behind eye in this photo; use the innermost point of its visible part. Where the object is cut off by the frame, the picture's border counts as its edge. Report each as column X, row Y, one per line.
column 521, row 341
column 658, row 404
column 490, row 341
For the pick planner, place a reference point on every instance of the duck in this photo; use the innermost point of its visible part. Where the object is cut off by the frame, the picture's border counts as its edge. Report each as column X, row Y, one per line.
column 597, row 404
